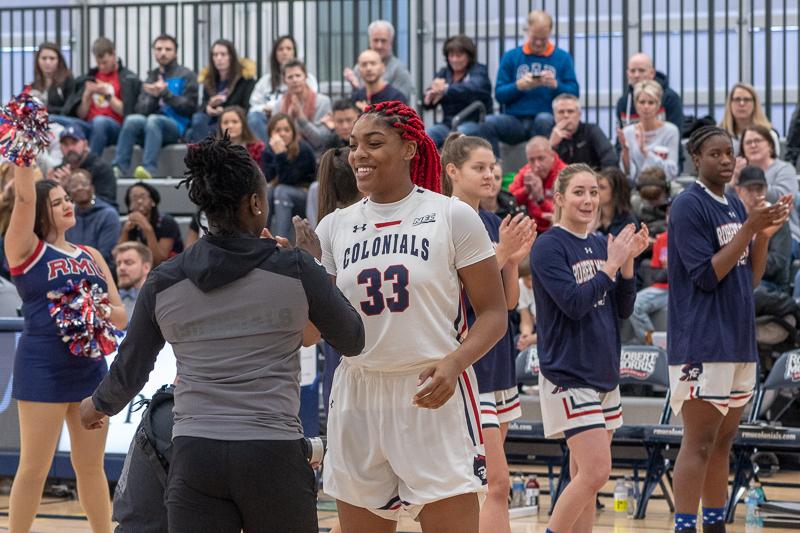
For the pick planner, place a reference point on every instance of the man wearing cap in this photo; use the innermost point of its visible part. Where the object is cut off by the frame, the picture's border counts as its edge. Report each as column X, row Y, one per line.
column 75, row 149
column 751, row 188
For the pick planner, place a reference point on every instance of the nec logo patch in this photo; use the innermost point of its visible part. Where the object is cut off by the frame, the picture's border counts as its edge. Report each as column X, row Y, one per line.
column 424, row 220
column 691, row 372
column 479, row 468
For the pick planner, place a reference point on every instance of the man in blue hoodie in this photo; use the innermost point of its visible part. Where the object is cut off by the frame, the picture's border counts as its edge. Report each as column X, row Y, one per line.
column 163, row 110
column 528, row 79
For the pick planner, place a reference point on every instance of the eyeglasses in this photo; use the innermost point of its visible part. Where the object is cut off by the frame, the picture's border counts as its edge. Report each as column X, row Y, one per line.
column 743, row 100
column 754, row 142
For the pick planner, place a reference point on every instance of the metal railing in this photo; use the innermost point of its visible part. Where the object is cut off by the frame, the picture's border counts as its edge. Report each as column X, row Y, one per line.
column 703, row 46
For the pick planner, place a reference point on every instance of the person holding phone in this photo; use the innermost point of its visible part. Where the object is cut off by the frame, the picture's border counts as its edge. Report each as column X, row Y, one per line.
column 528, row 80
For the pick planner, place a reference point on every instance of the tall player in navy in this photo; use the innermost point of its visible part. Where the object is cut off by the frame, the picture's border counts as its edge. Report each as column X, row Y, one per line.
column 583, row 285
column 717, row 255
column 404, row 425
column 49, row 382
column 468, row 165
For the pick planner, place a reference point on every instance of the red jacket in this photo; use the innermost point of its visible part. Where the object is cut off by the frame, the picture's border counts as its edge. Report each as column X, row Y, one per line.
column 537, row 210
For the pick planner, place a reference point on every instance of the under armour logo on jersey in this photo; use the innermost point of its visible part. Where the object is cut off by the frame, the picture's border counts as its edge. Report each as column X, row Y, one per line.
column 588, row 250
column 424, row 220
column 732, row 215
column 357, row 228
column 691, row 372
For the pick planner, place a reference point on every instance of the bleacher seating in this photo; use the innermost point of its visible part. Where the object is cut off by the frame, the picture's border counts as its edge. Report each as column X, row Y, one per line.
column 170, row 160
column 174, row 200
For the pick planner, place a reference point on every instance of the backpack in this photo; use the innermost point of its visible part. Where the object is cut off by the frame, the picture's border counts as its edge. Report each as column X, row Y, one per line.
column 142, row 509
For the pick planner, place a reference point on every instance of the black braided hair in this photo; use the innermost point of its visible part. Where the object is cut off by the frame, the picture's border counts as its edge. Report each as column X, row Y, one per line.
column 701, row 135
column 219, row 174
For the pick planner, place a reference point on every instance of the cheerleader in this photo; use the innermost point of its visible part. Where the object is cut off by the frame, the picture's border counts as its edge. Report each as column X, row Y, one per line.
column 49, row 381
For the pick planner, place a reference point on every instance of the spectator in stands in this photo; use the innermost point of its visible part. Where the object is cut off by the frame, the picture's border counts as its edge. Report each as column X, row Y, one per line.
column 303, row 105
column 163, row 111
column 640, row 68
column 374, row 89
column 337, row 183
column 650, row 141
column 533, row 185
column 227, row 80
column 381, row 37
column 457, row 85
column 75, row 149
column 103, row 98
column 654, row 195
column 742, row 110
column 271, row 86
column 792, row 155
column 758, row 148
column 145, row 224
column 289, row 163
column 526, row 307
column 340, row 121
column 134, row 261
column 53, row 82
column 654, row 298
column 234, row 121
column 528, row 80
column 502, row 202
column 615, row 202
column 96, row 221
column 577, row 141
column 751, row 187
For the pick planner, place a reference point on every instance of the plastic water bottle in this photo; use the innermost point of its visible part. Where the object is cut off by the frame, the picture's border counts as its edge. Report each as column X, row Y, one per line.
column 532, row 492
column 631, row 497
column 620, row 497
column 517, row 491
column 753, row 519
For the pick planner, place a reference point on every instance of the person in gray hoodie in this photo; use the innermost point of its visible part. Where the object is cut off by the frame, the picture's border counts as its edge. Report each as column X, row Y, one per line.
column 236, row 308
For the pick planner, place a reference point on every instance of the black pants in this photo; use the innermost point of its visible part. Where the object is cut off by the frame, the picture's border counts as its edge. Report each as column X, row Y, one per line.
column 257, row 486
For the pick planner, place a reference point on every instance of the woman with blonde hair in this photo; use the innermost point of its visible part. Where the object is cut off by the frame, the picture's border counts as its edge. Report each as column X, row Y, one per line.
column 742, row 110
column 651, row 141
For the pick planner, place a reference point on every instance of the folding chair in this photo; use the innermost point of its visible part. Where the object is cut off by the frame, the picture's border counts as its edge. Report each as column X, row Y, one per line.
column 644, row 365
column 526, row 443
column 761, row 436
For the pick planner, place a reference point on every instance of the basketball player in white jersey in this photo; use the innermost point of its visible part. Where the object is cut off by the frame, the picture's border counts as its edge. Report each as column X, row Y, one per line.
column 404, row 424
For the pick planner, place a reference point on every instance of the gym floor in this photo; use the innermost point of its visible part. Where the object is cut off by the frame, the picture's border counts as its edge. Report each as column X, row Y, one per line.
column 60, row 516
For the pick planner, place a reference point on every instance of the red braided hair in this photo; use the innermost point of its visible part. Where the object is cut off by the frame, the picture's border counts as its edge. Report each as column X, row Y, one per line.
column 426, row 169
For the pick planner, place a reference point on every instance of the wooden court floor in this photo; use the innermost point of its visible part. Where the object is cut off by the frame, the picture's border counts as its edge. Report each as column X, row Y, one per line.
column 58, row 516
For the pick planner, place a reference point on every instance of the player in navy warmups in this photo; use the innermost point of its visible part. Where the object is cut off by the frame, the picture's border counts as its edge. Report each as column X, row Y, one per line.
column 583, row 284
column 404, row 425
column 49, row 382
column 468, row 165
column 717, row 255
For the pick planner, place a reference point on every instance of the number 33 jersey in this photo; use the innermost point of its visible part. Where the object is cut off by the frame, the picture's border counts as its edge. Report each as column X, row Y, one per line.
column 397, row 264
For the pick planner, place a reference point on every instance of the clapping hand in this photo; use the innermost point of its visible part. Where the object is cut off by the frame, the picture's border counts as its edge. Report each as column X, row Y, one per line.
column 306, row 238
column 777, row 213
column 516, row 238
